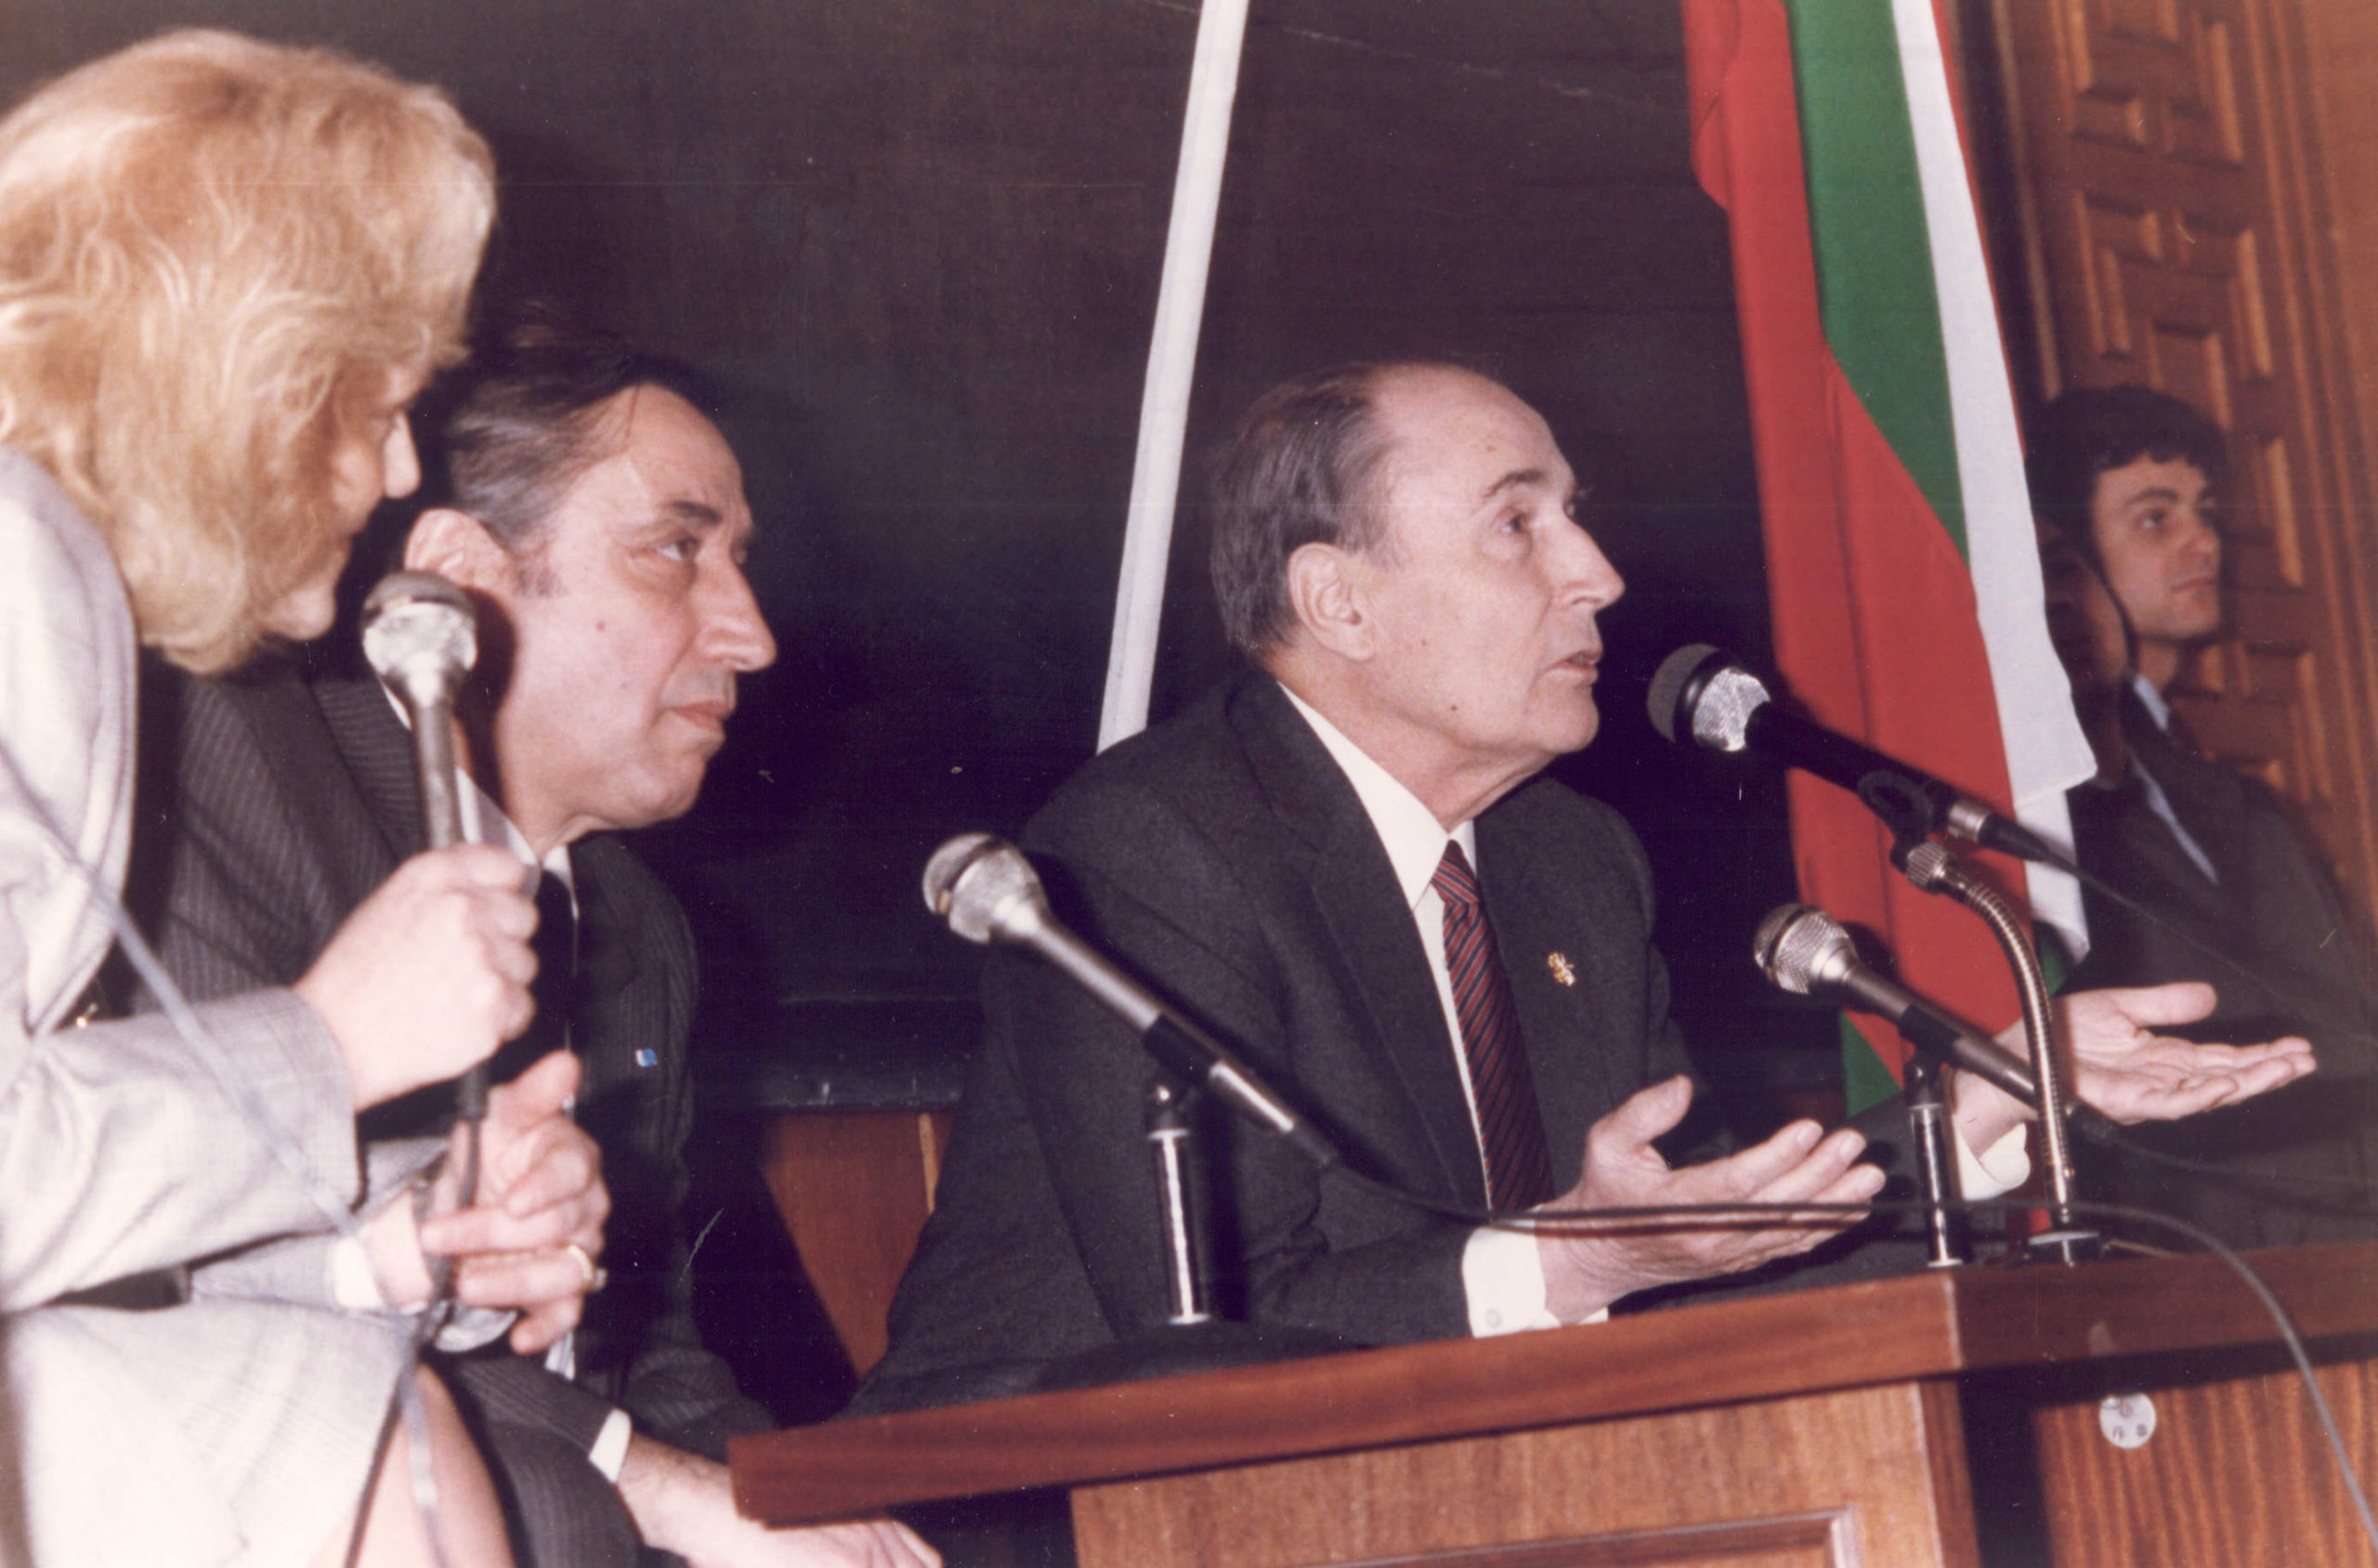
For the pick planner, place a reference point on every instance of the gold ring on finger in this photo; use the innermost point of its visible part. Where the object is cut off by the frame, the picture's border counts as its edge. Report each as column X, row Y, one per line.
column 594, row 1276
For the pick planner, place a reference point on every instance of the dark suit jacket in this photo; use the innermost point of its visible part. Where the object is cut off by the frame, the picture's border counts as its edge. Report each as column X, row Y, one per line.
column 2275, row 910
column 1225, row 858
column 290, row 803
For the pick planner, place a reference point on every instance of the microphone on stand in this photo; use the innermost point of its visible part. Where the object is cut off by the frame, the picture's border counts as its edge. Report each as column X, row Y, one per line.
column 1803, row 950
column 1719, row 703
column 421, row 637
column 989, row 892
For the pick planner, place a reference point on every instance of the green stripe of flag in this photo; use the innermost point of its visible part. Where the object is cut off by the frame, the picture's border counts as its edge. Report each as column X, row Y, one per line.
column 1882, row 316
column 1865, row 1082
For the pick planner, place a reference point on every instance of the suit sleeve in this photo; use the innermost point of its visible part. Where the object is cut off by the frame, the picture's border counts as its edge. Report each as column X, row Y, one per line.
column 677, row 1390
column 123, row 1155
column 518, row 1392
column 2300, row 923
column 123, row 1150
column 671, row 1384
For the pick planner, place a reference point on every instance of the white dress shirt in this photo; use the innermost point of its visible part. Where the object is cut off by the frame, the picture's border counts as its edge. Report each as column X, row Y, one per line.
column 2158, row 802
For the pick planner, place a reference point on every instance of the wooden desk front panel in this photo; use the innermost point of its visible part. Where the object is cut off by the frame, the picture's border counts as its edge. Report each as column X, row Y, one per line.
column 2236, row 1475
column 1870, row 1477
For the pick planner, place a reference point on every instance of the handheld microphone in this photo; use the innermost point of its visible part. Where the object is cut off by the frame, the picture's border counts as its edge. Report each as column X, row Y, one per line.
column 421, row 639
column 1805, row 951
column 989, row 892
column 1723, row 706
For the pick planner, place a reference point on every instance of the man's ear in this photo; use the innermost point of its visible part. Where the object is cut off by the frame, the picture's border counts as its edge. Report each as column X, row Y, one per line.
column 1327, row 600
column 457, row 547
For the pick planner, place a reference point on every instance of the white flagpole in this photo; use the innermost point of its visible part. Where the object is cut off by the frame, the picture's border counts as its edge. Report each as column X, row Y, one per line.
column 1172, row 361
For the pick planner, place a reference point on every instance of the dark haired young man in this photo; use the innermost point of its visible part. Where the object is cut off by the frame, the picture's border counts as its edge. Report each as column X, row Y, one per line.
column 2126, row 482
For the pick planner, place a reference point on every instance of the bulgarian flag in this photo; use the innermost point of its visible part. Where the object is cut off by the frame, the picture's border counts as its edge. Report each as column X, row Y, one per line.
column 1902, row 567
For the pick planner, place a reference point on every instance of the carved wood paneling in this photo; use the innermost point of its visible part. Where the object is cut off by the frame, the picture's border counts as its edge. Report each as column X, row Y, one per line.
column 2172, row 213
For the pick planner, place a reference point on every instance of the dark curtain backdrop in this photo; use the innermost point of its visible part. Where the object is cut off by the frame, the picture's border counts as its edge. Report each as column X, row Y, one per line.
column 919, row 240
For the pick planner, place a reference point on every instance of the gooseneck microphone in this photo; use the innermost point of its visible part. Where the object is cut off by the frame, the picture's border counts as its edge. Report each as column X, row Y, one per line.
column 1803, row 950
column 989, row 892
column 1719, row 703
column 421, row 639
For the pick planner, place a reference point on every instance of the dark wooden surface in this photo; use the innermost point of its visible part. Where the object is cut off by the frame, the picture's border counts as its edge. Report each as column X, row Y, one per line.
column 2236, row 1474
column 1925, row 1327
column 1848, row 1479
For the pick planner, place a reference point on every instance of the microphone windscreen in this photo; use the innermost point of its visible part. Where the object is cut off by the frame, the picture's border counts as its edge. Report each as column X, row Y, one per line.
column 413, row 618
column 1676, row 672
column 1791, row 942
column 980, row 885
column 947, row 864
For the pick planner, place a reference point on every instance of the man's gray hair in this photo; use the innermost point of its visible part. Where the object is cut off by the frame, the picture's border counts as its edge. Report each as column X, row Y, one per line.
column 1300, row 469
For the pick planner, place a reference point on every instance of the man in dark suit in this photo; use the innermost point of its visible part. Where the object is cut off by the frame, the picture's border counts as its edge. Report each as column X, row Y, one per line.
column 1297, row 861
column 597, row 518
column 2126, row 482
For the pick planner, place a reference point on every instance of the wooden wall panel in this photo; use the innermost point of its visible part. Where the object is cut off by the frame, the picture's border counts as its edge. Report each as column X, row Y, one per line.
column 855, row 1189
column 2171, row 199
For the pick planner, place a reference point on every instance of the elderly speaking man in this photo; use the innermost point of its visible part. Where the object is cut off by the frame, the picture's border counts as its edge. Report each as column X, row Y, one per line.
column 1345, row 862
column 599, row 519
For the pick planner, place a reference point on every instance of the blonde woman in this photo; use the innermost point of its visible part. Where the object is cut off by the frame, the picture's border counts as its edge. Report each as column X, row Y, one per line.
column 225, row 269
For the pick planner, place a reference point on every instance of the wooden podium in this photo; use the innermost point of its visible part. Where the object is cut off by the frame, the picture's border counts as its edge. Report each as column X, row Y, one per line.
column 1819, row 1426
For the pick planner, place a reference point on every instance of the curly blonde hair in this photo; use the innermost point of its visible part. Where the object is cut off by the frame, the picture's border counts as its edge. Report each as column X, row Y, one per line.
column 215, row 254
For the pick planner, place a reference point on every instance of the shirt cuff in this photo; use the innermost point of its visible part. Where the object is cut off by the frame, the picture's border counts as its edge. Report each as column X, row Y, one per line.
column 1502, row 1278
column 610, row 1449
column 2001, row 1167
column 469, row 1329
column 353, row 1284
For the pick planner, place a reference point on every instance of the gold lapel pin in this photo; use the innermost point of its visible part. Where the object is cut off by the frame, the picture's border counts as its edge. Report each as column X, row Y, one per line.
column 1563, row 970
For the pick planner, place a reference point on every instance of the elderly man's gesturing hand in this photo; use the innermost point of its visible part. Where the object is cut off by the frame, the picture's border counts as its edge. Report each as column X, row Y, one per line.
column 2125, row 1069
column 1586, row 1268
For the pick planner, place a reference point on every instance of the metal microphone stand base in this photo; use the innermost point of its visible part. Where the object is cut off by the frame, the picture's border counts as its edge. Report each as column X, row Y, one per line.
column 1927, row 1113
column 1930, row 867
column 1193, row 1339
column 1170, row 1140
column 2064, row 1246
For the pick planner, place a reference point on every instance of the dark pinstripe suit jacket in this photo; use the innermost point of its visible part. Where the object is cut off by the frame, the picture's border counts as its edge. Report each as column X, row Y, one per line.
column 289, row 803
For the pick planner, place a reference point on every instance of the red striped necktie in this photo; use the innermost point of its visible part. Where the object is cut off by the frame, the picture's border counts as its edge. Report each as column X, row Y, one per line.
column 1519, row 1175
